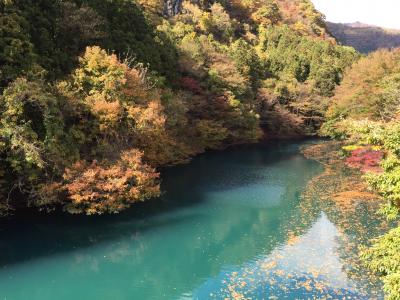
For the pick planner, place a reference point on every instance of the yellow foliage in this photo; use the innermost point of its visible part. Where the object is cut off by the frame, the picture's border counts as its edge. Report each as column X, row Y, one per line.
column 359, row 91
column 150, row 117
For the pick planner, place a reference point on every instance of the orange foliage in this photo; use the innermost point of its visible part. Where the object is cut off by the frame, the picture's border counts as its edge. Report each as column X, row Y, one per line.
column 150, row 117
column 97, row 188
column 358, row 91
column 337, row 183
column 108, row 113
column 127, row 107
column 135, row 86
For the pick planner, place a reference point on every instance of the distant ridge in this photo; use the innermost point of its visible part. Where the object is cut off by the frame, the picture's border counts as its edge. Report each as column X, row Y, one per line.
column 359, row 25
column 365, row 37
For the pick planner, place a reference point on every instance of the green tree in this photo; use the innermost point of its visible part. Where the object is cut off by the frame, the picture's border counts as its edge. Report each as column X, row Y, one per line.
column 16, row 51
column 268, row 14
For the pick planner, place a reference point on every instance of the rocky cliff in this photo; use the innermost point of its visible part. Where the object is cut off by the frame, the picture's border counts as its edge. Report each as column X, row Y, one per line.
column 172, row 7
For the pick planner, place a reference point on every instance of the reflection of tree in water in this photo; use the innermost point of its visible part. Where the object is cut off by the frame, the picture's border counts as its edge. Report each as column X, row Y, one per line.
column 237, row 236
column 308, row 264
column 169, row 247
column 290, row 269
column 344, row 197
column 343, row 194
column 208, row 227
column 232, row 239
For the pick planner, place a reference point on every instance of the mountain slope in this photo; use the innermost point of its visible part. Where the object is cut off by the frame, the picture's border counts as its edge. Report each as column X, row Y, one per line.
column 96, row 94
column 363, row 37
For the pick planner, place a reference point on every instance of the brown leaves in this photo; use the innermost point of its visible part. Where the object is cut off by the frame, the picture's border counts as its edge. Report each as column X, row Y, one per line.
column 103, row 187
column 346, row 188
column 127, row 110
column 359, row 95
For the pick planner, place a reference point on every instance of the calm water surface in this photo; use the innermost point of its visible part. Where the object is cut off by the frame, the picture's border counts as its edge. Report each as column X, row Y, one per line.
column 231, row 225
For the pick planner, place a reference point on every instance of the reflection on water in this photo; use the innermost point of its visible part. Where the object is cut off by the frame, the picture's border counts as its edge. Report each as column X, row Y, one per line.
column 231, row 225
column 304, row 267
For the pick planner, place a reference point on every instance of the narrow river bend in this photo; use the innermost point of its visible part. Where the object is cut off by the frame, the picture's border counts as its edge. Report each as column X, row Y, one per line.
column 231, row 225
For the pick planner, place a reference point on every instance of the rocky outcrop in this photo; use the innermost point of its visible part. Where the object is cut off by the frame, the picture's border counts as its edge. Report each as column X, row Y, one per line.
column 172, row 7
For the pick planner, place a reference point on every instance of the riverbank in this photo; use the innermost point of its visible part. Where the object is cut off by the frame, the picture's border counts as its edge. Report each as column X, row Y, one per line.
column 341, row 184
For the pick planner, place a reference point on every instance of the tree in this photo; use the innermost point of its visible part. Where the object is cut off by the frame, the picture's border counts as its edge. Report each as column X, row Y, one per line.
column 16, row 51
column 99, row 188
column 268, row 14
column 34, row 143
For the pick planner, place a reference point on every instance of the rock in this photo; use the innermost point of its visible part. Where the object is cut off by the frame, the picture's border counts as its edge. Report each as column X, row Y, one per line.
column 172, row 7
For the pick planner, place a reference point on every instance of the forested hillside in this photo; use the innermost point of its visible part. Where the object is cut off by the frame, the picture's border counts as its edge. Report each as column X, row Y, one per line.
column 97, row 94
column 365, row 112
column 365, row 38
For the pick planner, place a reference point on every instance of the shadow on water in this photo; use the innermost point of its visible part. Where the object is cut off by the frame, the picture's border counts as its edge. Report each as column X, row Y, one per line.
column 220, row 213
column 184, row 187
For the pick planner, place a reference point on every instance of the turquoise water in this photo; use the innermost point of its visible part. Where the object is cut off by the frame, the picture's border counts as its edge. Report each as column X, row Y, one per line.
column 231, row 225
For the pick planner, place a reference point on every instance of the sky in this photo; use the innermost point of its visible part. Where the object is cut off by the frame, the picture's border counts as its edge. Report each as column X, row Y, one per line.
column 384, row 13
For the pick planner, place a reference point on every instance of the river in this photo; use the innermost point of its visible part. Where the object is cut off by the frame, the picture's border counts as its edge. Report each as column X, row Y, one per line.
column 230, row 225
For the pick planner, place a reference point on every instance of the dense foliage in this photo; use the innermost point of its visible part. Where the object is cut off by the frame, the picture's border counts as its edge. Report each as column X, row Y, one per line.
column 95, row 94
column 49, row 35
column 283, row 63
column 366, row 112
